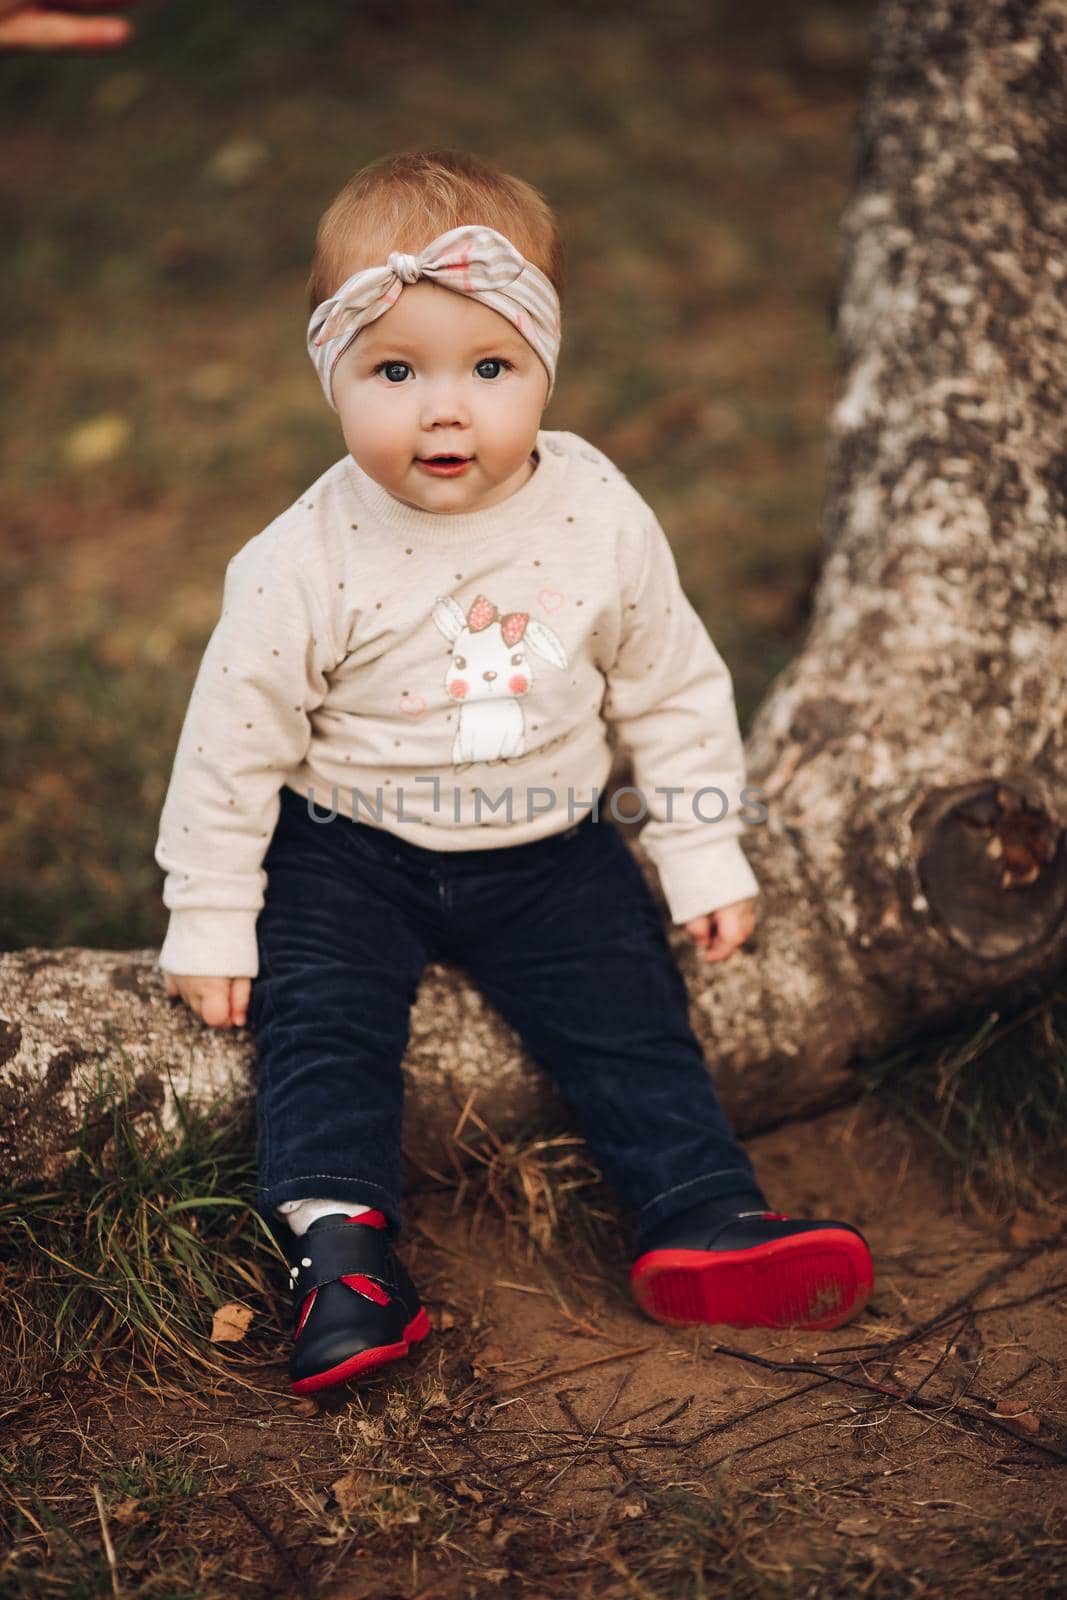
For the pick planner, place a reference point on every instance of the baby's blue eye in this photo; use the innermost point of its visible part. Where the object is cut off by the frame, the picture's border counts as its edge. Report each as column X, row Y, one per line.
column 395, row 371
column 491, row 361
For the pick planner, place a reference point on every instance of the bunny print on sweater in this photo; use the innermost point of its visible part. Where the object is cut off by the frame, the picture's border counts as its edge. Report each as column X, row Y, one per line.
column 490, row 671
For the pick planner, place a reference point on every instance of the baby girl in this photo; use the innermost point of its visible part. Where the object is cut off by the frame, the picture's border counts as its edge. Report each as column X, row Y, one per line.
column 394, row 753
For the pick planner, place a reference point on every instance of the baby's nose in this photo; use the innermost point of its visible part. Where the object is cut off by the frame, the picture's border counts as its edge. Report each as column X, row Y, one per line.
column 488, row 676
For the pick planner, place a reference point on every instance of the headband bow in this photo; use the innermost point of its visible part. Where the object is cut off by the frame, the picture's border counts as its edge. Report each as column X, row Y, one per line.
column 472, row 260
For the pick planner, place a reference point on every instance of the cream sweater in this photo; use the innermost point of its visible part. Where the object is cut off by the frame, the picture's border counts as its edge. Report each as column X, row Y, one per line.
column 457, row 680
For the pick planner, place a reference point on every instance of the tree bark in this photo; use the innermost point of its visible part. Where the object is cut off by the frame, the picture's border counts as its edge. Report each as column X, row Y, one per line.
column 81, row 1030
column 912, row 863
column 913, row 755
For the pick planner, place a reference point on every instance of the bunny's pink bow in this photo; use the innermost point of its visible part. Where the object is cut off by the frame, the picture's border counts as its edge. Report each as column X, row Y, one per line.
column 472, row 260
column 483, row 613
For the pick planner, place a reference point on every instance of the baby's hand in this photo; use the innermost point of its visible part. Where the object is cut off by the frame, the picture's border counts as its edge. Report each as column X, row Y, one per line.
column 721, row 931
column 220, row 1002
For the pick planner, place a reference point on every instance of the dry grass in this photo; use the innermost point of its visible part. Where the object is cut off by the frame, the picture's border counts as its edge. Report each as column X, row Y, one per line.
column 127, row 1260
column 538, row 1184
column 989, row 1097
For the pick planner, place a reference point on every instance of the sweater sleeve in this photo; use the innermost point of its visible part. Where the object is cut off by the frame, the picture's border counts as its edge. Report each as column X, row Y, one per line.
column 670, row 700
column 247, row 726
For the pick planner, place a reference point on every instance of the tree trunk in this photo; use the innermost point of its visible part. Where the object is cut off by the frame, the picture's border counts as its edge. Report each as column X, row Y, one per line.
column 912, row 758
column 82, row 1029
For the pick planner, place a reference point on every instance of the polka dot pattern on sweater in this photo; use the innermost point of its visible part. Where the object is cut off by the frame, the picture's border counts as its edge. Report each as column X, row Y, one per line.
column 349, row 628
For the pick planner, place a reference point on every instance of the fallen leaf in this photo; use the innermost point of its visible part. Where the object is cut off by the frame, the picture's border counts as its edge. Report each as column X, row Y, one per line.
column 230, row 1323
column 235, row 162
column 127, row 1513
column 100, row 439
column 467, row 1492
column 350, row 1491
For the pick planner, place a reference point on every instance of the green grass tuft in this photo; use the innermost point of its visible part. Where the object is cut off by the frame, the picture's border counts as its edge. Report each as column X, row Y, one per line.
column 152, row 1229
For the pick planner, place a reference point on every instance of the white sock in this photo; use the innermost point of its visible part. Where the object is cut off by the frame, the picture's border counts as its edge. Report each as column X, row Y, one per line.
column 300, row 1214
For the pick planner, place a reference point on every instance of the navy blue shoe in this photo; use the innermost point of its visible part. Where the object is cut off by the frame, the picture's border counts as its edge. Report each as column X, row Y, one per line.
column 355, row 1308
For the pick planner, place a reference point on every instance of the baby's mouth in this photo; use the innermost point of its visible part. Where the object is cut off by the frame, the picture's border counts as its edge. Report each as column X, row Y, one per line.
column 444, row 465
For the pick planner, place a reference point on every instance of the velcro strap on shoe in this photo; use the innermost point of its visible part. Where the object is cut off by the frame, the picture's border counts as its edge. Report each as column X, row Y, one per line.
column 340, row 1252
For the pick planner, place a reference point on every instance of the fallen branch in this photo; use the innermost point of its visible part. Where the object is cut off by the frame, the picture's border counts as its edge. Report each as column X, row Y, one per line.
column 870, row 1386
column 582, row 1366
column 964, row 1302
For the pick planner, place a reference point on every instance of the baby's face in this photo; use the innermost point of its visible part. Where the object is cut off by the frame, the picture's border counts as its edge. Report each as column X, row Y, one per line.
column 441, row 375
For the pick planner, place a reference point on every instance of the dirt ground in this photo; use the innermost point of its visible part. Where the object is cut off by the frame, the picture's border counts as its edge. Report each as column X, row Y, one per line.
column 549, row 1440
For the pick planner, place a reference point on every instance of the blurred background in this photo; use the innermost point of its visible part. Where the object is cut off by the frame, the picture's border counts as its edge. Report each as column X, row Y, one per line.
column 158, row 407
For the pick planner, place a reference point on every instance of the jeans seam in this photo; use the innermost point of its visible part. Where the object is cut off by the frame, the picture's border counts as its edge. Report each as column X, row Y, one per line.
column 263, row 985
column 677, row 1188
column 334, row 1177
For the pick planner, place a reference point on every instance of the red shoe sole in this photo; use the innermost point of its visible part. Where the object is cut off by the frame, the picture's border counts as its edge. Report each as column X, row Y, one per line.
column 809, row 1280
column 367, row 1360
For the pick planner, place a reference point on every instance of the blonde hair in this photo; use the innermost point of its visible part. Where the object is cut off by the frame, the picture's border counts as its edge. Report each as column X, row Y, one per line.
column 401, row 202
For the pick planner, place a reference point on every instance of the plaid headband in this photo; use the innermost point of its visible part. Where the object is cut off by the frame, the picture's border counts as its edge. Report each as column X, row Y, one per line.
column 472, row 260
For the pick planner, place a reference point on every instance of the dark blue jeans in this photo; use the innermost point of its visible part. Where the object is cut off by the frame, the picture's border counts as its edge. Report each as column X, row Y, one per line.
column 563, row 938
